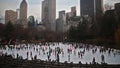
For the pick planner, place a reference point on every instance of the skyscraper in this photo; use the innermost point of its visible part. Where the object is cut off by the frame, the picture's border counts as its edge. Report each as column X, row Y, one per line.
column 98, row 8
column 18, row 13
column 117, row 14
column 91, row 7
column 23, row 14
column 73, row 11
column 87, row 7
column 61, row 22
column 11, row 16
column 1, row 19
column 45, row 14
column 49, row 14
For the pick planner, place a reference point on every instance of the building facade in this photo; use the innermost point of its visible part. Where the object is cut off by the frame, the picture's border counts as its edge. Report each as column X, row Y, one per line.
column 49, row 14
column 10, row 16
column 87, row 7
column 18, row 13
column 44, row 11
column 61, row 22
column 1, row 19
column 73, row 11
column 117, row 14
column 23, row 14
column 92, row 8
column 58, row 26
column 98, row 8
column 117, row 7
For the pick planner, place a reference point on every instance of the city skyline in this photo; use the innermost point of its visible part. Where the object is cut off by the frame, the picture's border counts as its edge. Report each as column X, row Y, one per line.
column 34, row 6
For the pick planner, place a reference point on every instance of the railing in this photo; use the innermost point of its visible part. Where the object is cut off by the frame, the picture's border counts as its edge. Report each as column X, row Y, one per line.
column 17, row 63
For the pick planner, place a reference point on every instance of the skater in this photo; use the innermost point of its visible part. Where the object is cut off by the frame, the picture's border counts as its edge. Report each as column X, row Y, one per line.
column 27, row 54
column 93, row 62
column 35, row 57
column 69, row 58
column 48, row 56
column 57, row 57
column 103, row 58
column 79, row 54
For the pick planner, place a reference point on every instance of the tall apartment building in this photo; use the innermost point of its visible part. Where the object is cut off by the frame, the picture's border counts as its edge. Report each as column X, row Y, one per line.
column 45, row 14
column 23, row 14
column 10, row 16
column 91, row 7
column 73, row 11
column 98, row 8
column 117, row 14
column 87, row 7
column 18, row 13
column 117, row 7
column 49, row 14
column 61, row 22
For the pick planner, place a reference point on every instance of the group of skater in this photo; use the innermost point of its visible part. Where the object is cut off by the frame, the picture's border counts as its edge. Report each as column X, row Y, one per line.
column 33, row 51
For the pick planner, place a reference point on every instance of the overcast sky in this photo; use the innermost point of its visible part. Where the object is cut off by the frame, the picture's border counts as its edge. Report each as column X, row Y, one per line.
column 34, row 6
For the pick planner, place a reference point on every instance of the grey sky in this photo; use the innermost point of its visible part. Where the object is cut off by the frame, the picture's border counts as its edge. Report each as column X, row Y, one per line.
column 35, row 6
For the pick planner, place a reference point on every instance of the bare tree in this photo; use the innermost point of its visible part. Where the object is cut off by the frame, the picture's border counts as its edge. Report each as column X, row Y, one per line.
column 108, row 6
